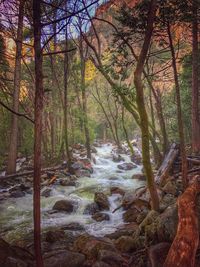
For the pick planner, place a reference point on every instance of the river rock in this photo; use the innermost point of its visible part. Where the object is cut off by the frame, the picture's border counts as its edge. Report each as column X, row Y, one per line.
column 83, row 173
column 63, row 258
column 167, row 224
column 11, row 256
column 158, row 254
column 170, row 188
column 110, row 257
column 93, row 149
column 54, row 235
column 117, row 190
column 91, row 209
column 126, row 166
column 117, row 158
column 125, row 244
column 64, row 205
column 67, row 182
column 137, row 159
column 90, row 246
column 139, row 176
column 74, row 226
column 130, row 215
column 167, row 200
column 101, row 200
column 100, row 264
column 17, row 193
column 99, row 217
column 46, row 192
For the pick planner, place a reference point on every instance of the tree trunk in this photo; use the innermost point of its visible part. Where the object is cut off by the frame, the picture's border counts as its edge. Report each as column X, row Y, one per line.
column 183, row 249
column 142, row 110
column 12, row 154
column 195, row 86
column 84, row 101
column 39, row 95
column 179, row 110
column 66, row 73
column 126, row 134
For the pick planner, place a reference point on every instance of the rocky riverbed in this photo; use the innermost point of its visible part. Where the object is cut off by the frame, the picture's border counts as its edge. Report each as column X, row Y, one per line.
column 79, row 227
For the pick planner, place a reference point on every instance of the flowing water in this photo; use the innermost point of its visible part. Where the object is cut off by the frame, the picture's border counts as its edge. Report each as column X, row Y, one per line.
column 16, row 213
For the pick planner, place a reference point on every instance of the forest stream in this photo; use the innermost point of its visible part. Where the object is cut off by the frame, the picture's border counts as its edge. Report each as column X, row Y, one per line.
column 16, row 213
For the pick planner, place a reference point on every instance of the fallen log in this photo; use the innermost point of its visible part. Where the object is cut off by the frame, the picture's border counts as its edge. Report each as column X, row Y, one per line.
column 194, row 170
column 27, row 173
column 194, row 161
column 167, row 164
column 183, row 249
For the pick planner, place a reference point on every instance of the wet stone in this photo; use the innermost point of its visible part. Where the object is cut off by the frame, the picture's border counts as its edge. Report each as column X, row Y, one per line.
column 99, row 217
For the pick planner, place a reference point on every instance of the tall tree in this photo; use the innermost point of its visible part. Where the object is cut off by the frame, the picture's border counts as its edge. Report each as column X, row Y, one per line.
column 179, row 109
column 39, row 96
column 12, row 154
column 144, row 126
column 195, row 85
column 84, row 98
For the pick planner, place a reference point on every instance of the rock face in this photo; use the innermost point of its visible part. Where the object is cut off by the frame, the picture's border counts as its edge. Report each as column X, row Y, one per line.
column 126, row 166
column 101, row 200
column 63, row 258
column 65, row 205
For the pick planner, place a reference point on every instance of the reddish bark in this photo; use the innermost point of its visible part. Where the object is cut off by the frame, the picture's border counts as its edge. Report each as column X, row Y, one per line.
column 12, row 155
column 195, row 86
column 183, row 250
column 39, row 96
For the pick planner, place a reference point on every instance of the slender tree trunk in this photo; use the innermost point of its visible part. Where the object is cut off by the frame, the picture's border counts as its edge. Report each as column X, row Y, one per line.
column 179, row 110
column 39, row 96
column 12, row 154
column 161, row 119
column 142, row 110
column 66, row 73
column 195, row 85
column 84, row 101
column 126, row 134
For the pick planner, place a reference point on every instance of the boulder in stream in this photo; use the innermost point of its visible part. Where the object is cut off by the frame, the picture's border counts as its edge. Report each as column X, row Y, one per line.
column 100, row 216
column 65, row 205
column 139, row 176
column 91, row 209
column 101, row 200
column 46, row 192
column 63, row 258
column 117, row 158
column 126, row 166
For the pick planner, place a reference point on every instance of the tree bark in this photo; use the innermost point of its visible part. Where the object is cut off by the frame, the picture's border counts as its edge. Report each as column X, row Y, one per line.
column 66, row 73
column 195, row 85
column 84, row 100
column 183, row 249
column 12, row 154
column 179, row 110
column 142, row 110
column 39, row 96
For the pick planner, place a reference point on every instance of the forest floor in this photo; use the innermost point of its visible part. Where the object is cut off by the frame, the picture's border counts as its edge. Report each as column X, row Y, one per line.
column 95, row 214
